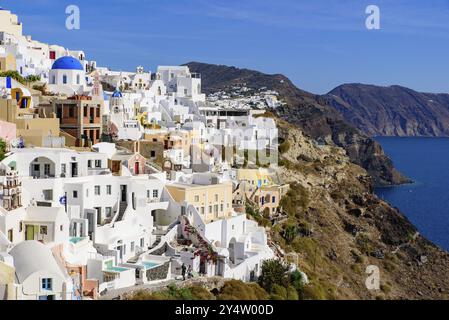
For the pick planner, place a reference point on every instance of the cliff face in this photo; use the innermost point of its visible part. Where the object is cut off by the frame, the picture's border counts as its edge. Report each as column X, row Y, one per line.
column 392, row 111
column 309, row 112
column 341, row 228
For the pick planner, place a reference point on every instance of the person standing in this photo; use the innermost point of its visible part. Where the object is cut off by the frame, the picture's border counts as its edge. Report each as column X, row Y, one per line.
column 183, row 272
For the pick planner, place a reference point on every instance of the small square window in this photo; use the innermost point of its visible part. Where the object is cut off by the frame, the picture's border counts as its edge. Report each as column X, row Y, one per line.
column 75, row 194
column 43, row 230
column 47, row 284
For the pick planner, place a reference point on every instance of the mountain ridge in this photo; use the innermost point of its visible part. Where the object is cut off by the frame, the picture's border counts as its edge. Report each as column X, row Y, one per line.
column 391, row 110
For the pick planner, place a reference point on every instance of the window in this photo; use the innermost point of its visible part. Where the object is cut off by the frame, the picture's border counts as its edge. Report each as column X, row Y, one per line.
column 148, row 194
column 89, row 163
column 132, row 246
column 78, row 79
column 202, row 210
column 75, row 194
column 109, row 189
column 71, row 112
column 43, row 230
column 64, row 79
column 183, row 210
column 63, row 169
column 10, row 235
column 47, row 284
column 61, row 227
column 87, row 193
column 97, row 162
column 47, row 169
column 273, row 199
column 108, row 212
column 97, row 190
column 142, row 242
column 210, row 209
column 48, row 194
column 216, row 197
column 156, row 193
column 221, row 207
column 216, row 210
column 197, row 198
column 97, row 112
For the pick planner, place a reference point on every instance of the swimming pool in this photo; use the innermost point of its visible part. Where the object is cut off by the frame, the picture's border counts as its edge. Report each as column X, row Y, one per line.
column 75, row 240
column 149, row 265
column 116, row 269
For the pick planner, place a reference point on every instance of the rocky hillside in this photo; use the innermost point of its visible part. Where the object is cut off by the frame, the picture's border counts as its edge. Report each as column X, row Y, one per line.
column 392, row 111
column 338, row 227
column 308, row 111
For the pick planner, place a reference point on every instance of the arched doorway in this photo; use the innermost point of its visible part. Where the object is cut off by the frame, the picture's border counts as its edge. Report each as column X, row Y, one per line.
column 42, row 167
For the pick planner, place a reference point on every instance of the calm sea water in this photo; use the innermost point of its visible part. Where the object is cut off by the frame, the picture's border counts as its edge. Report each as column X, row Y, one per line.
column 426, row 202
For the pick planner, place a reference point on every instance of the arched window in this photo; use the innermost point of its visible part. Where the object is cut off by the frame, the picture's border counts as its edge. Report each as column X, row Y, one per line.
column 64, row 79
column 78, row 79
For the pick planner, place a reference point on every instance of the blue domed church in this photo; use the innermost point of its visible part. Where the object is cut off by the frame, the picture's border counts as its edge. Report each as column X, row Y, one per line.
column 67, row 75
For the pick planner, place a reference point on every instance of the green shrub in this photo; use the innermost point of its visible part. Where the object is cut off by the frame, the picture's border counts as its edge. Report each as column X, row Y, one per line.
column 284, row 147
column 2, row 149
column 274, row 272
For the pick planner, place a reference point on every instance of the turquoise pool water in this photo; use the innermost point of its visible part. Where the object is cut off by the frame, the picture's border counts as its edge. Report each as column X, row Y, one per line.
column 75, row 240
column 149, row 265
column 116, row 269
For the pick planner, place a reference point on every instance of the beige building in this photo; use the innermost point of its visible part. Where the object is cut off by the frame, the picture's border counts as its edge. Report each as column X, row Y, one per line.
column 9, row 23
column 7, row 62
column 35, row 131
column 213, row 202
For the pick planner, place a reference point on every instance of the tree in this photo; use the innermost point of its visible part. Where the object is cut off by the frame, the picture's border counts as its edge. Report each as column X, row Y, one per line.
column 290, row 232
column 274, row 272
column 33, row 78
column 297, row 281
column 2, row 149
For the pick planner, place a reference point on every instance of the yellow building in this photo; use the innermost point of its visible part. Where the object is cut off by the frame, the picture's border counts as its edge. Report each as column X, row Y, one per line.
column 255, row 177
column 212, row 202
column 9, row 23
column 7, row 275
column 35, row 131
column 7, row 63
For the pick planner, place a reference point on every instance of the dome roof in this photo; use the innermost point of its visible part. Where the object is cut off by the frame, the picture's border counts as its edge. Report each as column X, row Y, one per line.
column 67, row 63
column 117, row 94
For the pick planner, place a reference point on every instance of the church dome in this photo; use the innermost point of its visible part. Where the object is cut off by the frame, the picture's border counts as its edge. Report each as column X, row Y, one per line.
column 117, row 94
column 67, row 63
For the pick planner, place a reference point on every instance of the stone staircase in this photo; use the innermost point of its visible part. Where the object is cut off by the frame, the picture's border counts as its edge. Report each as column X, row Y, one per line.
column 122, row 209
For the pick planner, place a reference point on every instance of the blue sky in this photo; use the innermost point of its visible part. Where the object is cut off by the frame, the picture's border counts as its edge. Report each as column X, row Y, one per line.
column 319, row 44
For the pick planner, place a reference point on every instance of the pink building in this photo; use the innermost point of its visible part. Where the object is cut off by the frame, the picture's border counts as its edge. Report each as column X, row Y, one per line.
column 7, row 131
